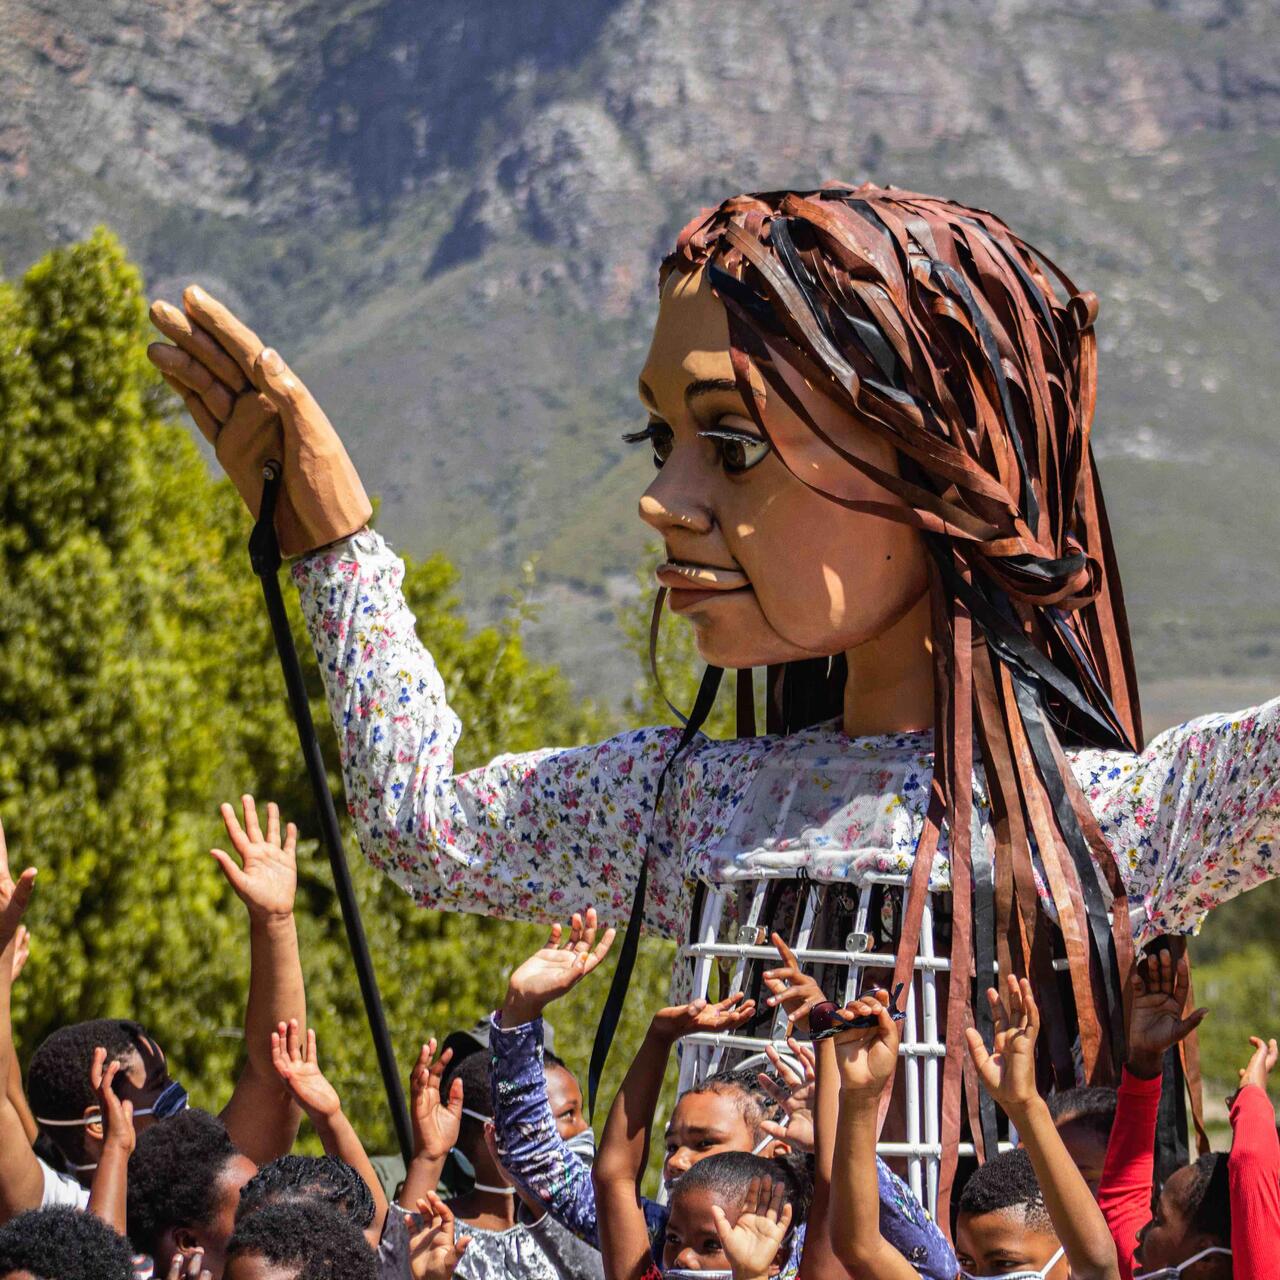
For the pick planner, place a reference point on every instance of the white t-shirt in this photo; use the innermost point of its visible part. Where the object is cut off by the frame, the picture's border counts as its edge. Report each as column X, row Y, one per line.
column 61, row 1191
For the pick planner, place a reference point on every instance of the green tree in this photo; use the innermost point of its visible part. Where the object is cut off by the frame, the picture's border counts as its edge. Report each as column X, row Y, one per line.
column 139, row 687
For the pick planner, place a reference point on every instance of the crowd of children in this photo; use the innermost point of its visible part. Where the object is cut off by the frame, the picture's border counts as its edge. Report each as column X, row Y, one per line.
column 107, row 1172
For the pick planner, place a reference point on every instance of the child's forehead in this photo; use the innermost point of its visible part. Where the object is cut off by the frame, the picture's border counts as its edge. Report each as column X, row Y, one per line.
column 981, row 1233
column 710, row 1106
column 691, row 1209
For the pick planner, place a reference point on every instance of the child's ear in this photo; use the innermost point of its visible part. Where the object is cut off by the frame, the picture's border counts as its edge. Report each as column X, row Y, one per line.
column 93, row 1114
column 777, row 1148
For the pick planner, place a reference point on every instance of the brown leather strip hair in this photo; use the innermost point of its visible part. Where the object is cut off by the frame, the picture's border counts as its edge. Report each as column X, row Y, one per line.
column 944, row 333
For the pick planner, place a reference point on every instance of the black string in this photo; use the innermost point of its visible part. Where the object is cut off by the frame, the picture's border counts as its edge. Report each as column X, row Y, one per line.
column 612, row 1012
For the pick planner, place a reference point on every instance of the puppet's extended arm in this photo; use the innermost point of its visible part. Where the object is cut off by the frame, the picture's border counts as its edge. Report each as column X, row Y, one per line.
column 518, row 837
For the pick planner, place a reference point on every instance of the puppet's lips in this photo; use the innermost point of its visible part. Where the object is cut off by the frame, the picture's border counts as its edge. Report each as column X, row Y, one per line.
column 700, row 577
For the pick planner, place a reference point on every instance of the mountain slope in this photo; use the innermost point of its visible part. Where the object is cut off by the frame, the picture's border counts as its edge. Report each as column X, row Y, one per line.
column 450, row 216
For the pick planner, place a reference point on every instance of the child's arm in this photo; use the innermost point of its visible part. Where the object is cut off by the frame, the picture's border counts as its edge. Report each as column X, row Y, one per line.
column 261, row 1117
column 299, row 1070
column 529, row 1145
column 109, row 1193
column 1253, row 1169
column 436, row 1123
column 21, row 1176
column 866, row 1059
column 1008, row 1073
column 17, row 1095
column 1159, row 996
column 624, row 1147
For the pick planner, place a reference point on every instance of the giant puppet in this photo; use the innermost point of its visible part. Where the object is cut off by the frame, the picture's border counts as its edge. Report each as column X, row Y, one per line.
column 869, row 412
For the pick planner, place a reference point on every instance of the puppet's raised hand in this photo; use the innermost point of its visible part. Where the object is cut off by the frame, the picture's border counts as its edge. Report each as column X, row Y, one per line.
column 252, row 408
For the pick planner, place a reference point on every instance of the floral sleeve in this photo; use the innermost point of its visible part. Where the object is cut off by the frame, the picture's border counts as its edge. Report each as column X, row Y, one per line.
column 525, row 836
column 1195, row 819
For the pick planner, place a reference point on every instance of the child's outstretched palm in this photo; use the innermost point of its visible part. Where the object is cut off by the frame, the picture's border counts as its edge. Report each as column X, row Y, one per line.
column 299, row 1068
column 436, row 1120
column 1008, row 1071
column 267, row 879
column 555, row 969
column 752, row 1242
column 701, row 1015
column 1160, row 987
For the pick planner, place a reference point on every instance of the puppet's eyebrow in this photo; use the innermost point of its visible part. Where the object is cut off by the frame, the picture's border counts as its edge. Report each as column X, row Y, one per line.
column 706, row 386
column 647, row 397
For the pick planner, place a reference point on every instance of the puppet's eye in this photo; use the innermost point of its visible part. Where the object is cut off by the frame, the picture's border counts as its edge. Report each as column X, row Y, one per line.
column 659, row 434
column 739, row 448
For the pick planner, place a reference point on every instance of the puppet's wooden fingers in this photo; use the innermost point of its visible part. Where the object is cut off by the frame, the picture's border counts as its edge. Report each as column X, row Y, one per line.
column 236, row 338
column 179, row 328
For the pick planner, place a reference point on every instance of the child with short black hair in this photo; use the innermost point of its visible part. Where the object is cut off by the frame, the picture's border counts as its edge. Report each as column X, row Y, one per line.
column 298, row 1239
column 62, row 1244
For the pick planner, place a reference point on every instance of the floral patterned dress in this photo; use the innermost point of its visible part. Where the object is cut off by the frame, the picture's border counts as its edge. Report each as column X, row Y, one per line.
column 1193, row 819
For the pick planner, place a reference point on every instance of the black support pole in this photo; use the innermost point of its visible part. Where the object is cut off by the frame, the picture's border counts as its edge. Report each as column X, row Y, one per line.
column 264, row 555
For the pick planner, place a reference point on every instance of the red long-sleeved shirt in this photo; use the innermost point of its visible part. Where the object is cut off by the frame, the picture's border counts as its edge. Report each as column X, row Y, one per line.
column 1253, row 1168
column 1254, row 1173
column 1124, row 1194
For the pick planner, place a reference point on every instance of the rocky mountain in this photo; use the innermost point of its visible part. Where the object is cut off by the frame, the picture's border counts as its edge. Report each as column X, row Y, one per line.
column 449, row 213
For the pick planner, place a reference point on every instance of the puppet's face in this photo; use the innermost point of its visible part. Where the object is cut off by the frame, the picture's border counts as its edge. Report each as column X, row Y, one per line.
column 764, row 568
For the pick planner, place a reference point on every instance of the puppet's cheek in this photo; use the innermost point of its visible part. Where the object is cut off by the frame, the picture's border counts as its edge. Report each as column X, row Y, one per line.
column 731, row 630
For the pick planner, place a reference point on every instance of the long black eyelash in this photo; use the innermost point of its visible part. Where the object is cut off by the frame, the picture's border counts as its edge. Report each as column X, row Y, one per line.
column 635, row 437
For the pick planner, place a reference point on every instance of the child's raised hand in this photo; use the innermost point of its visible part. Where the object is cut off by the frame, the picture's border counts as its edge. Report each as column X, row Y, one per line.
column 433, row 1252
column 117, row 1115
column 299, row 1069
column 793, row 1092
column 1259, row 1066
column 700, row 1015
column 1160, row 988
column 751, row 1244
column 867, row 1056
column 791, row 987
column 21, row 950
column 555, row 969
column 1008, row 1071
column 189, row 1266
column 267, row 879
column 14, row 896
column 436, row 1121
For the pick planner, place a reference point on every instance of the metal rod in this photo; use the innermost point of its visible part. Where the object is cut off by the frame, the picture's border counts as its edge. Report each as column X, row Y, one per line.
column 264, row 555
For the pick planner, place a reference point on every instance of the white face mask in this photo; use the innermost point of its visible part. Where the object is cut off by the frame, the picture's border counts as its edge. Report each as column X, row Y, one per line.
column 1022, row 1275
column 1172, row 1273
column 468, row 1169
column 685, row 1273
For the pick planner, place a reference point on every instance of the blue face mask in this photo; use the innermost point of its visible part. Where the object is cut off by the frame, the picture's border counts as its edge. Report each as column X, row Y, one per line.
column 685, row 1273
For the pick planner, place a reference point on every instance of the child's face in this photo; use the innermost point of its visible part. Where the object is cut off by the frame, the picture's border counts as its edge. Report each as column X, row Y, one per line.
column 692, row 1241
column 1168, row 1238
column 701, row 1125
column 1086, row 1147
column 994, row 1244
column 565, row 1099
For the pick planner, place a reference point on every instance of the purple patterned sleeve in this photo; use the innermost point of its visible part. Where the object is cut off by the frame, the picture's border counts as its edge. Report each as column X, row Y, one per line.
column 906, row 1226
column 524, row 837
column 530, row 1147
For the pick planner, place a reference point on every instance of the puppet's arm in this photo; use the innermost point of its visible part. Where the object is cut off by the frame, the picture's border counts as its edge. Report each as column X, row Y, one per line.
column 514, row 838
column 1195, row 819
